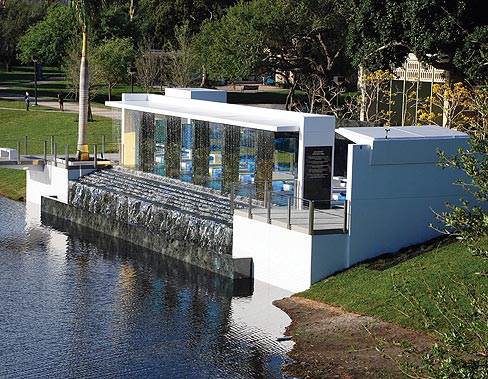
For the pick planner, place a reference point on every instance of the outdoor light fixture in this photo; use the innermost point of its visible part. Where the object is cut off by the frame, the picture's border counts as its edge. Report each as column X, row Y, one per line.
column 35, row 60
column 132, row 71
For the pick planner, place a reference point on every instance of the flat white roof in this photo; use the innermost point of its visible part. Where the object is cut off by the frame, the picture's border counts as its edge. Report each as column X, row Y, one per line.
column 233, row 114
column 367, row 135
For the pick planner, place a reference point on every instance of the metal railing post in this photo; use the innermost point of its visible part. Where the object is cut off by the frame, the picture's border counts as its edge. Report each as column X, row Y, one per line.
column 121, row 154
column 232, row 189
column 265, row 197
column 45, row 151
column 95, row 156
column 249, row 209
column 18, row 152
column 346, row 206
column 55, row 153
column 66, row 154
column 295, row 191
column 288, row 213
column 25, row 145
column 311, row 211
column 268, row 207
column 103, row 146
column 52, row 144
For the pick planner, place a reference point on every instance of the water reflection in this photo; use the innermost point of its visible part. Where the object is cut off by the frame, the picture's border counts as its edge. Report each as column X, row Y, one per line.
column 88, row 306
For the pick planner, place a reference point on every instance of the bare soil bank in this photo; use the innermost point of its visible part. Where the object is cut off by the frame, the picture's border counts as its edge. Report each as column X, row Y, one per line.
column 332, row 343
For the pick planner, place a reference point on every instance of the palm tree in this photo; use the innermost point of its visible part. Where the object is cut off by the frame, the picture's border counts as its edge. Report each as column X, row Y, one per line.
column 85, row 9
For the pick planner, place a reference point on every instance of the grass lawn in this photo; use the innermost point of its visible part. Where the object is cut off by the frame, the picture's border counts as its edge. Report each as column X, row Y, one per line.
column 41, row 123
column 12, row 183
column 408, row 291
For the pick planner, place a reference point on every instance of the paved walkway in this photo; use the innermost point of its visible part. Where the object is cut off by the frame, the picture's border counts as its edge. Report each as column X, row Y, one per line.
column 69, row 106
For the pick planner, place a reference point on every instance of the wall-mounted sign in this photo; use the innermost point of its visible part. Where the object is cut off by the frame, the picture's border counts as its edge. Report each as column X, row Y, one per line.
column 318, row 175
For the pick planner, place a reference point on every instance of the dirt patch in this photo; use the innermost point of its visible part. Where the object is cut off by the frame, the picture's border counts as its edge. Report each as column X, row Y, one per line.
column 333, row 343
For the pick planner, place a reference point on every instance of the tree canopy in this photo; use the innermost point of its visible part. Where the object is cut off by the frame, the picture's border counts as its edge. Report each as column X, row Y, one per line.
column 15, row 18
column 48, row 39
column 448, row 34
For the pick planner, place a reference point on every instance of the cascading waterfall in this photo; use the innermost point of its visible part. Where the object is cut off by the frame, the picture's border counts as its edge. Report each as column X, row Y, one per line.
column 231, row 143
column 146, row 143
column 177, row 210
column 264, row 150
column 201, row 152
column 172, row 147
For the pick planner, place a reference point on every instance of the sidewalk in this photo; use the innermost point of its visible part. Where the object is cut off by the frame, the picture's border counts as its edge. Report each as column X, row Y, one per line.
column 69, row 106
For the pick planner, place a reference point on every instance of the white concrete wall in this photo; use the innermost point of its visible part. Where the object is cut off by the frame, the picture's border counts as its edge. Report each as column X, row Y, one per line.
column 52, row 181
column 206, row 94
column 394, row 187
column 328, row 255
column 281, row 257
column 287, row 259
column 314, row 131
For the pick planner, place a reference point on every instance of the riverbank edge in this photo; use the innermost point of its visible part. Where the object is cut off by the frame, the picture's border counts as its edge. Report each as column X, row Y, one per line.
column 330, row 342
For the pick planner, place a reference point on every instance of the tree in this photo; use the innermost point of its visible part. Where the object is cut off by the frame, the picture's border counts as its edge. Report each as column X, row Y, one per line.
column 113, row 21
column 469, row 220
column 295, row 38
column 232, row 47
column 49, row 38
column 110, row 60
column 85, row 10
column 159, row 18
column 181, row 68
column 149, row 65
column 15, row 18
column 446, row 34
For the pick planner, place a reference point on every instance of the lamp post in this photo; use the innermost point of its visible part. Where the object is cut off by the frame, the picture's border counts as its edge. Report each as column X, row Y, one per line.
column 132, row 71
column 34, row 59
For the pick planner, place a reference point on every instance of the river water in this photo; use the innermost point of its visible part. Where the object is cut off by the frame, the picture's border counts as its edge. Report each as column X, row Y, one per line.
column 79, row 307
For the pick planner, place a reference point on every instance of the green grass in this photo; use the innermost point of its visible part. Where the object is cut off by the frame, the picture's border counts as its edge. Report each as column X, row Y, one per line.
column 12, row 183
column 39, row 124
column 406, row 291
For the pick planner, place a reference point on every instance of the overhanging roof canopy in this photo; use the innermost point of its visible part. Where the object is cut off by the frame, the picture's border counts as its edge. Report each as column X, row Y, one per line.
column 367, row 135
column 240, row 115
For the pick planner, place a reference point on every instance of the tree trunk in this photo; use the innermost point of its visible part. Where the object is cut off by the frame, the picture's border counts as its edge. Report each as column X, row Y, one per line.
column 291, row 94
column 82, row 148
column 362, row 91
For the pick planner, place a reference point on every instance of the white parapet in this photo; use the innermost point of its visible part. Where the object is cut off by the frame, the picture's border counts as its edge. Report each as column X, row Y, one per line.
column 8, row 153
column 284, row 258
column 51, row 181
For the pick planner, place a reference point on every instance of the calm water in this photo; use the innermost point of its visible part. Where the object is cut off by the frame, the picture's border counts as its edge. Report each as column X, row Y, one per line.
column 85, row 307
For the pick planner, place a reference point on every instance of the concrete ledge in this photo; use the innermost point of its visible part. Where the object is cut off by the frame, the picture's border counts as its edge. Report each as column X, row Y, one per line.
column 10, row 154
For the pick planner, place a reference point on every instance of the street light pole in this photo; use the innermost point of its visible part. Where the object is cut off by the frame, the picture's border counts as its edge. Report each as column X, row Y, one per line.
column 34, row 59
column 132, row 70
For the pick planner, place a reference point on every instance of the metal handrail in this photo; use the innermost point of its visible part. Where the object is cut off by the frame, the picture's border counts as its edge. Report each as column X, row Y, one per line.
column 294, row 206
column 26, row 146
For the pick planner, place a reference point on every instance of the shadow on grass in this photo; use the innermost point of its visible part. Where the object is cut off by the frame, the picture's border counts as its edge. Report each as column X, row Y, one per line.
column 388, row 260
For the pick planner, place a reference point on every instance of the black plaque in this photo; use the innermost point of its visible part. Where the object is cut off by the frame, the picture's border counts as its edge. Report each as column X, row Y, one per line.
column 318, row 175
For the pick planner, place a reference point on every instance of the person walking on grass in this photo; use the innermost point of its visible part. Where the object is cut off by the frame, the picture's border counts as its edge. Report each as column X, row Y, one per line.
column 61, row 100
column 27, row 101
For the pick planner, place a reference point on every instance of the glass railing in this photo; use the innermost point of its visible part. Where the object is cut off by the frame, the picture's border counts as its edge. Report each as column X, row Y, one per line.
column 259, row 201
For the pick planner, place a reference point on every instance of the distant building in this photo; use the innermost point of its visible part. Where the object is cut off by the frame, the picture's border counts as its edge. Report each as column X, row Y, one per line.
column 412, row 86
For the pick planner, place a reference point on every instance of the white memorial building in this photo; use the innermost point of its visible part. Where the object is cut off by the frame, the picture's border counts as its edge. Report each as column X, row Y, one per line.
column 392, row 186
column 303, row 221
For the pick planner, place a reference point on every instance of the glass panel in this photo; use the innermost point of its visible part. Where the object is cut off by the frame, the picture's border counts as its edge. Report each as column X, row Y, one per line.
column 215, row 157
column 201, row 152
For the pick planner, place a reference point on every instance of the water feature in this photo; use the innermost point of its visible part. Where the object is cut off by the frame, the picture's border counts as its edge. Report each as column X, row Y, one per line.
column 83, row 305
column 207, row 153
column 160, row 205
